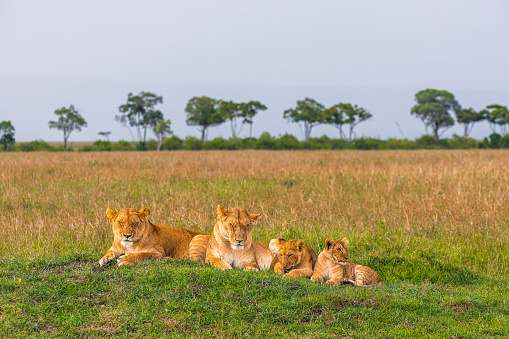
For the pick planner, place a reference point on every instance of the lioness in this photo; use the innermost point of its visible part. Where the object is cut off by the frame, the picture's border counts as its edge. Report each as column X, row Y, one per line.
column 332, row 265
column 139, row 239
column 231, row 244
column 293, row 258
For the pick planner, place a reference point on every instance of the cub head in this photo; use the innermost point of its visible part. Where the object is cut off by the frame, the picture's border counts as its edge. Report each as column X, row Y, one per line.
column 236, row 226
column 289, row 253
column 336, row 251
column 128, row 224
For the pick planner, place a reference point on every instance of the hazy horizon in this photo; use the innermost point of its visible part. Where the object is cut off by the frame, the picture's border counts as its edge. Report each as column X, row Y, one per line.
column 375, row 55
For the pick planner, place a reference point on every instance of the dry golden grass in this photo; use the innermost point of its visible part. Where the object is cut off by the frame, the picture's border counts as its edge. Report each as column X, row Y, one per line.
column 451, row 204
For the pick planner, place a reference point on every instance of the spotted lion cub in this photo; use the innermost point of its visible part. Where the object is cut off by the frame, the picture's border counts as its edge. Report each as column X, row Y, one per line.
column 293, row 258
column 333, row 266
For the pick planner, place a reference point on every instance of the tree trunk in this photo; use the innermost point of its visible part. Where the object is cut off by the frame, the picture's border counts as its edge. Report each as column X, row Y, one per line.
column 466, row 130
column 204, row 129
column 250, row 129
column 159, row 143
column 435, row 134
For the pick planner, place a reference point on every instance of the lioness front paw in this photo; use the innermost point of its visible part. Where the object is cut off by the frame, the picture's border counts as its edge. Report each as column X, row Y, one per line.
column 126, row 260
column 317, row 278
column 104, row 260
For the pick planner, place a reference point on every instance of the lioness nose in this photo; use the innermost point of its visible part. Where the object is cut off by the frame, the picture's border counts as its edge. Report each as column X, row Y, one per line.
column 239, row 241
column 127, row 235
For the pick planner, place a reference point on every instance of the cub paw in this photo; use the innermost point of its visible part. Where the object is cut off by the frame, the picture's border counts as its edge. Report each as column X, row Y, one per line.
column 251, row 268
column 317, row 278
column 333, row 282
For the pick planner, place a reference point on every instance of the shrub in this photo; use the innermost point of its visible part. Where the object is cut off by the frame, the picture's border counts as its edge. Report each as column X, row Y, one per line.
column 193, row 144
column 266, row 141
column 34, row 146
column 172, row 143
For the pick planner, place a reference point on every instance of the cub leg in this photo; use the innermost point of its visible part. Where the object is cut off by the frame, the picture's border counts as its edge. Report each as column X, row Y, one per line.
column 300, row 273
column 278, row 269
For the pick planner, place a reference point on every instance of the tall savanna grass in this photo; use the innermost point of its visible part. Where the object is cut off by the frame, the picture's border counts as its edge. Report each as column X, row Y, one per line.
column 446, row 209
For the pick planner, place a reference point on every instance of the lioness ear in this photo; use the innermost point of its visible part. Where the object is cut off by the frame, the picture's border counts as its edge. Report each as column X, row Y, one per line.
column 300, row 244
column 328, row 243
column 220, row 212
column 344, row 241
column 111, row 214
column 144, row 212
column 254, row 217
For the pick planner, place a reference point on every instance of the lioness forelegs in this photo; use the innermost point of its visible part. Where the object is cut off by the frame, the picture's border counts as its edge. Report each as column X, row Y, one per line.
column 218, row 263
column 108, row 257
column 133, row 258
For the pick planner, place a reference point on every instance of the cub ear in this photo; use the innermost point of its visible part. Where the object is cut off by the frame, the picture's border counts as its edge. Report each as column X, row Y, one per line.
column 254, row 217
column 328, row 243
column 111, row 214
column 220, row 212
column 144, row 212
column 300, row 244
column 344, row 241
column 280, row 240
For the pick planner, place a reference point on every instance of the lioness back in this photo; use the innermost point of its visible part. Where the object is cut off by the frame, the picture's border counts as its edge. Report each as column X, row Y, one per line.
column 138, row 239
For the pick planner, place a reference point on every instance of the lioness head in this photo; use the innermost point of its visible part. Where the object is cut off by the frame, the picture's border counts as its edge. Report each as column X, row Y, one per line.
column 289, row 253
column 236, row 226
column 128, row 224
column 336, row 251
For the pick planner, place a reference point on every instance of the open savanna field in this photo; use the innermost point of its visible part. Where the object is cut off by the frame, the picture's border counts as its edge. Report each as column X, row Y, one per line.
column 433, row 224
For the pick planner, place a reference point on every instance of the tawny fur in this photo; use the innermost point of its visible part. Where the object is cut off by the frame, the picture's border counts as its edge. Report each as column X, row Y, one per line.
column 333, row 267
column 231, row 245
column 138, row 239
column 293, row 258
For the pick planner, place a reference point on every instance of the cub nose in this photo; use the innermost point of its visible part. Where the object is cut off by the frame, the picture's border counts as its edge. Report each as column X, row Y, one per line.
column 127, row 235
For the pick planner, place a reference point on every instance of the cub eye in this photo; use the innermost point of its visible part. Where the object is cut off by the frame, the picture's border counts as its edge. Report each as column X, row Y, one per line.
column 280, row 255
column 289, row 255
column 340, row 250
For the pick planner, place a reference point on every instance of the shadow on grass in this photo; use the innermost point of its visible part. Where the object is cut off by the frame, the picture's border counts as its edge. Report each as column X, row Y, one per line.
column 425, row 268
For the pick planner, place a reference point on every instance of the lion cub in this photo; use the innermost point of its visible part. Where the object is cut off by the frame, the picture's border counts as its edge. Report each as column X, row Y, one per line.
column 293, row 258
column 332, row 265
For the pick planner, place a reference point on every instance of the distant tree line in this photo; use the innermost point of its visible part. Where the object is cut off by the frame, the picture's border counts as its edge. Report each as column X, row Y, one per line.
column 139, row 114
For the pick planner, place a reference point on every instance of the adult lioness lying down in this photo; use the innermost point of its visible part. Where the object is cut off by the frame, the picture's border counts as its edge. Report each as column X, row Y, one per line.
column 231, row 243
column 139, row 239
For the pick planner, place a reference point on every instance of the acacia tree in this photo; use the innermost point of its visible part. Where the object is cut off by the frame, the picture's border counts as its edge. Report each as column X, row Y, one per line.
column 334, row 116
column 307, row 111
column 6, row 134
column 468, row 117
column 433, row 107
column 498, row 115
column 203, row 111
column 232, row 111
column 69, row 120
column 354, row 116
column 105, row 134
column 140, row 112
column 161, row 130
column 249, row 110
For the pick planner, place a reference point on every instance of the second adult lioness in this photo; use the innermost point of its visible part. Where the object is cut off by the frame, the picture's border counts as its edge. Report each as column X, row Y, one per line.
column 138, row 239
column 231, row 244
column 333, row 266
column 293, row 258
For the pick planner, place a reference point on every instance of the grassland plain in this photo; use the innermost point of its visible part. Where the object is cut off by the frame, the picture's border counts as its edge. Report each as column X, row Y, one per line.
column 434, row 224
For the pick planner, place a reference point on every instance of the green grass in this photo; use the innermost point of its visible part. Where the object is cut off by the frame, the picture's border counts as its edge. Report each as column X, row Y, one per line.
column 433, row 224
column 73, row 296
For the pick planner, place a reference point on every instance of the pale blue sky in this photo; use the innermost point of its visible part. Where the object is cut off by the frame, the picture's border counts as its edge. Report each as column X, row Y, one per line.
column 376, row 54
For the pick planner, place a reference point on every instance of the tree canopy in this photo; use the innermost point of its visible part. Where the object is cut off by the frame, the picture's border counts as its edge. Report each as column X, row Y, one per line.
column 307, row 111
column 498, row 115
column 69, row 120
column 204, row 111
column 6, row 133
column 433, row 108
column 468, row 117
column 140, row 112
